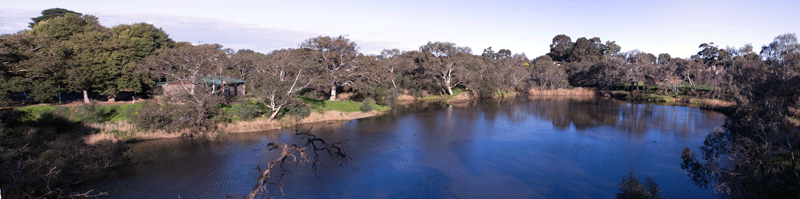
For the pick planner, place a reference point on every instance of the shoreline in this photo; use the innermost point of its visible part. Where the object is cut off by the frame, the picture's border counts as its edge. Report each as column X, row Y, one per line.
column 107, row 130
column 122, row 131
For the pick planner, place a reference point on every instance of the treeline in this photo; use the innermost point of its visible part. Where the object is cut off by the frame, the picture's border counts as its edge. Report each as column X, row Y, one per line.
column 65, row 51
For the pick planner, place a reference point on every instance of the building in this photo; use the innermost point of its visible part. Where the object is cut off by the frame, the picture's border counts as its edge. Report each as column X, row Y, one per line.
column 228, row 86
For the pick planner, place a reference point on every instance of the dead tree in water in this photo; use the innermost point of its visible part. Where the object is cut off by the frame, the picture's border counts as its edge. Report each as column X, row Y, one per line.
column 308, row 153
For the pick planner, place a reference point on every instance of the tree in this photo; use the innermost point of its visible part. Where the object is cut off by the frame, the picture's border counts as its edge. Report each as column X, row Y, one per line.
column 307, row 152
column 641, row 65
column 85, row 49
column 664, row 58
column 783, row 54
column 277, row 77
column 548, row 75
column 392, row 62
column 611, row 48
column 337, row 57
column 63, row 27
column 755, row 154
column 632, row 188
column 587, row 50
column 194, row 70
column 88, row 68
column 446, row 61
column 561, row 48
column 130, row 45
column 51, row 13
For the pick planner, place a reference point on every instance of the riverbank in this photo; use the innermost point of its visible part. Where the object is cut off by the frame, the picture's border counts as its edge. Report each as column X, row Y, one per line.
column 116, row 127
column 721, row 106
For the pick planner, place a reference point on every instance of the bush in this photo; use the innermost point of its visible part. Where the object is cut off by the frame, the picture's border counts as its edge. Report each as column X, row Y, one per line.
column 247, row 110
column 391, row 96
column 46, row 157
column 152, row 116
column 88, row 113
column 366, row 105
column 631, row 187
column 295, row 111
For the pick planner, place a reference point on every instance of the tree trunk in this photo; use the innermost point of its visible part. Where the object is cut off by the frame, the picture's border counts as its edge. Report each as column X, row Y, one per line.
column 275, row 113
column 86, row 97
column 333, row 93
column 449, row 91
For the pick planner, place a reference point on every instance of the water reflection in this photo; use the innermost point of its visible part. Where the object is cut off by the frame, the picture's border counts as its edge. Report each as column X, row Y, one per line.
column 573, row 148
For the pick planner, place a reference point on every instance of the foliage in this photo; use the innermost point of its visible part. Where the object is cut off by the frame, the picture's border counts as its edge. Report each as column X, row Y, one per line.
column 247, row 110
column 51, row 13
column 632, row 188
column 153, row 116
column 46, row 156
column 755, row 155
column 366, row 105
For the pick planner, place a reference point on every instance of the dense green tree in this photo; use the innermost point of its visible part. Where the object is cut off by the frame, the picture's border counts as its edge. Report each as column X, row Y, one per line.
column 51, row 13
column 587, row 50
column 130, row 44
column 561, row 48
column 63, row 27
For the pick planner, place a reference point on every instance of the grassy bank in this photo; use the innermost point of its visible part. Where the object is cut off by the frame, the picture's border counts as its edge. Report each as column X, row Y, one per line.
column 114, row 122
column 458, row 95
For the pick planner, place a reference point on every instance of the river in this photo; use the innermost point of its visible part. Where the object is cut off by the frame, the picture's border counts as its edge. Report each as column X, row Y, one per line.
column 525, row 148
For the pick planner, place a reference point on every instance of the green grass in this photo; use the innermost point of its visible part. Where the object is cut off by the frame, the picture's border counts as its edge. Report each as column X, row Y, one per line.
column 456, row 91
column 110, row 113
column 118, row 113
column 34, row 113
column 342, row 106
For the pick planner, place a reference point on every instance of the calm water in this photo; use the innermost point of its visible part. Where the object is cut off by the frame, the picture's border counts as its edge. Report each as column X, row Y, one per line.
column 532, row 148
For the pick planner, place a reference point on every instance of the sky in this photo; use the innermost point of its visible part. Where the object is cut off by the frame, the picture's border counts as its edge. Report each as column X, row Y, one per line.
column 676, row 27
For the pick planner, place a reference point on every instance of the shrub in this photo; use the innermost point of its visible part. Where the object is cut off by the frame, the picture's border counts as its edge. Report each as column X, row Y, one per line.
column 295, row 111
column 247, row 110
column 152, row 116
column 367, row 105
column 88, row 113
column 47, row 156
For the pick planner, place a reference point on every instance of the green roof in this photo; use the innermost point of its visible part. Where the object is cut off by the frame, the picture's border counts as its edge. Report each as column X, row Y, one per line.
column 215, row 80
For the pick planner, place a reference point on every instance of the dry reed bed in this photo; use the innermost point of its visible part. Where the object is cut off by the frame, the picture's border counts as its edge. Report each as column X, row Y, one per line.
column 579, row 91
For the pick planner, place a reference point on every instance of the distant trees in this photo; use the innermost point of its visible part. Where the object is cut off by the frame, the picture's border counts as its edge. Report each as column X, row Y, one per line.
column 73, row 52
column 446, row 63
column 51, row 13
column 547, row 74
column 338, row 59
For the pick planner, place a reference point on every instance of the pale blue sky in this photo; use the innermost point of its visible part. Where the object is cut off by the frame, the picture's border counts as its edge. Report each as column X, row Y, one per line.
column 674, row 27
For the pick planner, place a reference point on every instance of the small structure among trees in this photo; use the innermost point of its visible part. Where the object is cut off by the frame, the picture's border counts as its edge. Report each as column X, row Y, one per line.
column 226, row 86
